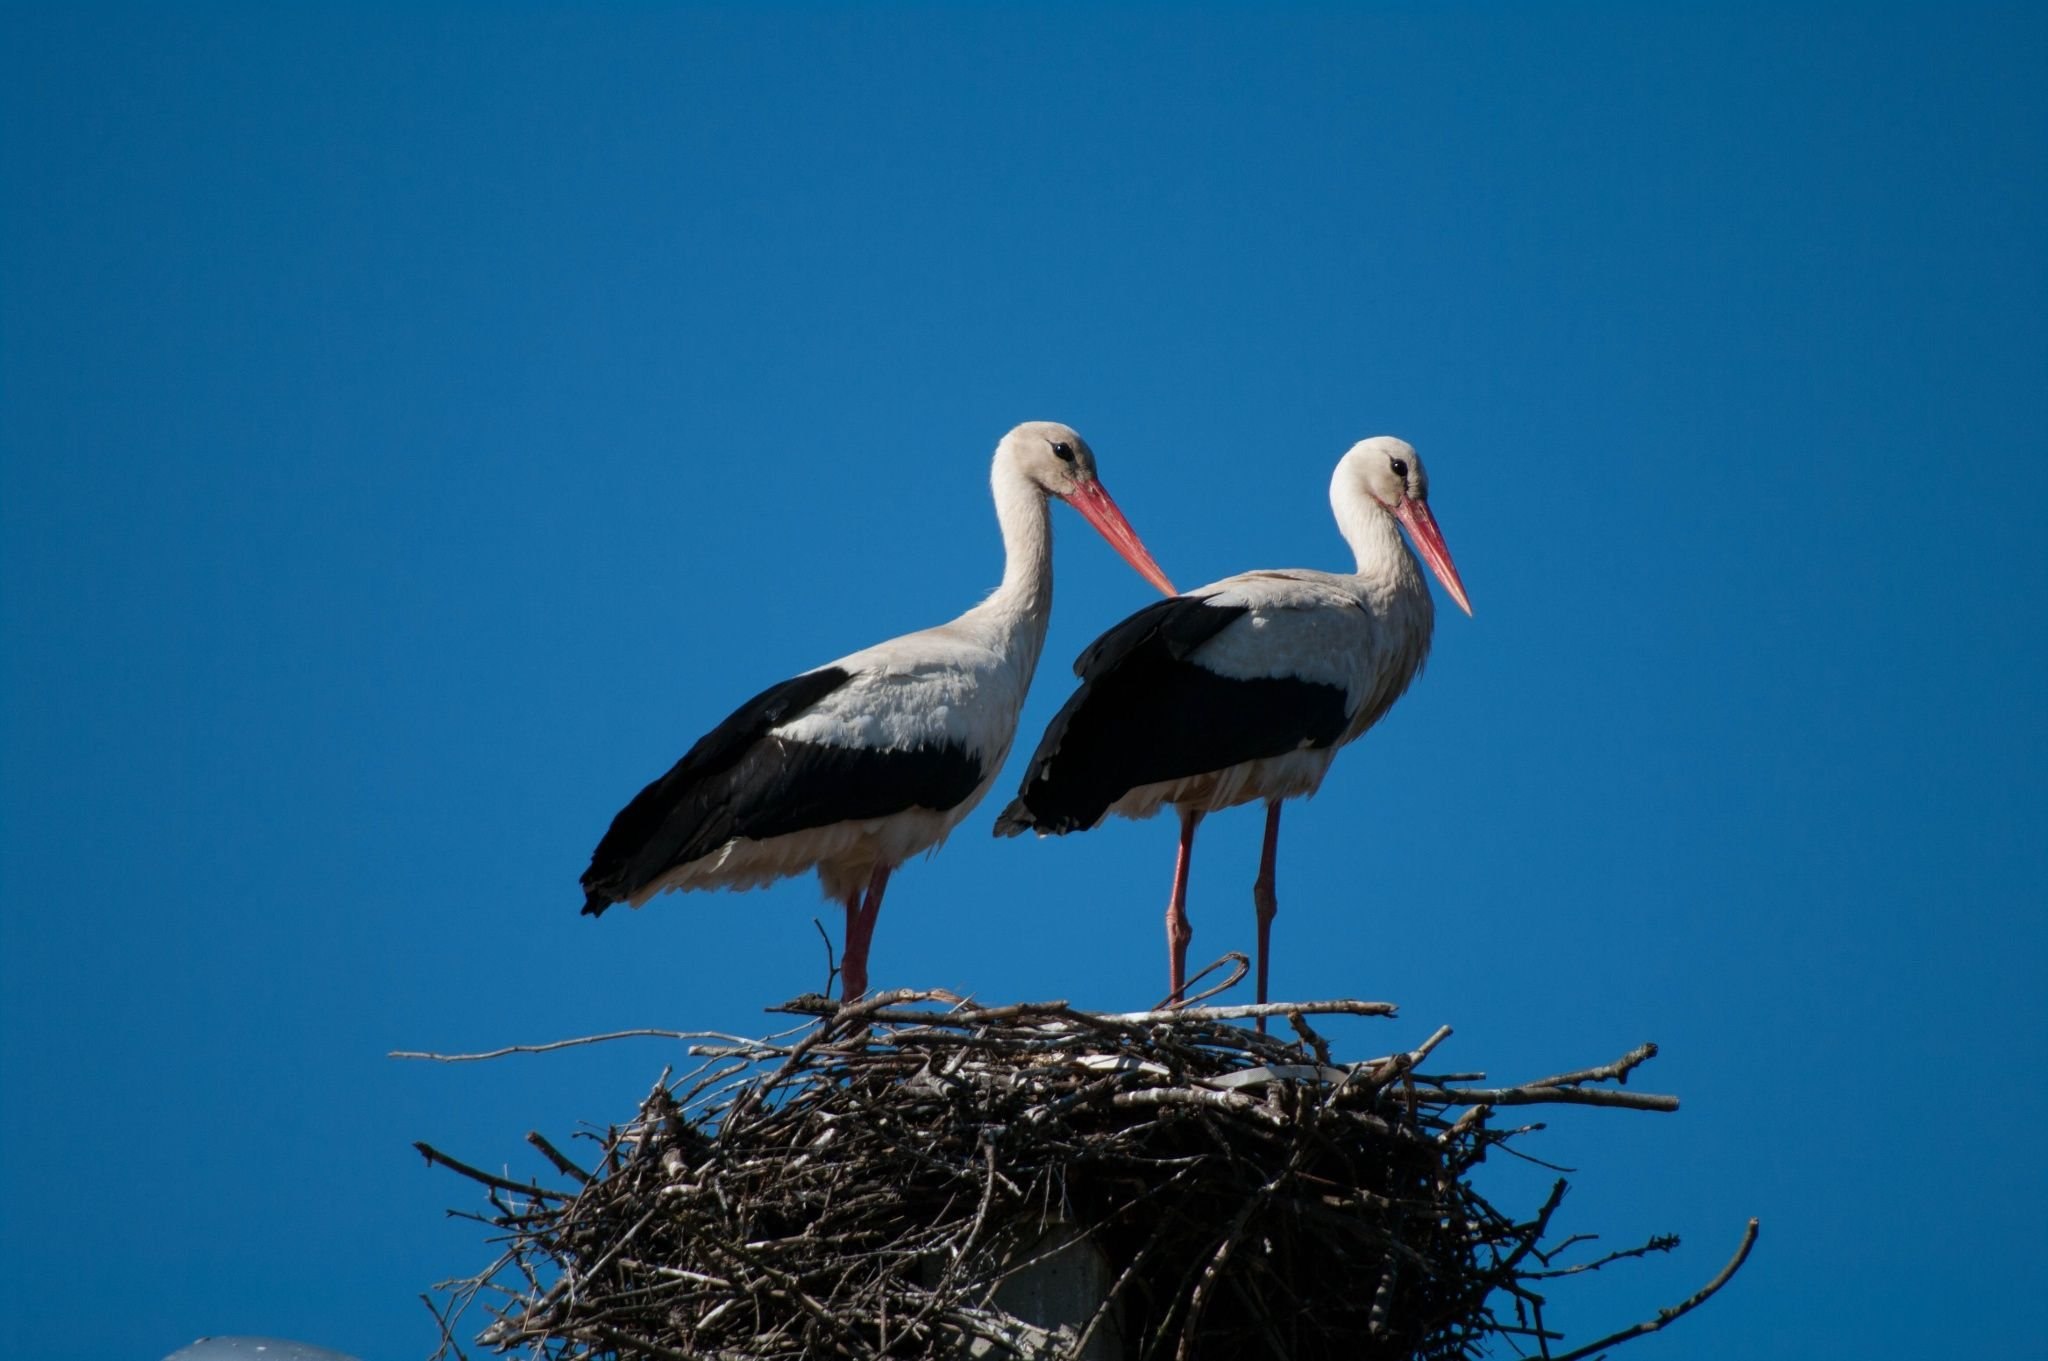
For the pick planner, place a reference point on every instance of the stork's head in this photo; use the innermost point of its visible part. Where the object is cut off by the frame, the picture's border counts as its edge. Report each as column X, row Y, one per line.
column 1390, row 472
column 1055, row 459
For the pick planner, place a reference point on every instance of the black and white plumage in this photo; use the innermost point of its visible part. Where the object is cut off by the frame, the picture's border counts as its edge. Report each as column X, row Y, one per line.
column 1246, row 688
column 852, row 768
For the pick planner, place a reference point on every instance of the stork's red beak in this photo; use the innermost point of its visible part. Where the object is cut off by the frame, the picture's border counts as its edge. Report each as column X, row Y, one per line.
column 1422, row 528
column 1092, row 499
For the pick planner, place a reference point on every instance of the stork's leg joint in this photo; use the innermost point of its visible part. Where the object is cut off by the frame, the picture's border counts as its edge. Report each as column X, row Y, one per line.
column 1265, row 900
column 1178, row 931
column 861, row 911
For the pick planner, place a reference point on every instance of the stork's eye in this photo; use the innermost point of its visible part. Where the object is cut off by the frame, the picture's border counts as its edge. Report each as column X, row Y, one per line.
column 1400, row 468
column 1064, row 451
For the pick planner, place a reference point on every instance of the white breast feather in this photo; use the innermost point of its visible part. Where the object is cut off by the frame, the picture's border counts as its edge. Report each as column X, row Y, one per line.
column 924, row 689
column 1302, row 626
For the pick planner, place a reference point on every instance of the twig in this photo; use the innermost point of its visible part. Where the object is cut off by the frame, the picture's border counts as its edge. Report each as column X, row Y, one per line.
column 435, row 1155
column 1242, row 965
column 1247, row 1010
column 1473, row 1115
column 1676, row 1311
column 1663, row 1242
column 555, row 1156
column 1537, row 1096
column 553, row 1045
column 615, row 1338
column 1400, row 1065
column 1616, row 1071
column 1195, row 1096
column 1310, row 1038
column 1537, row 1227
column 831, row 960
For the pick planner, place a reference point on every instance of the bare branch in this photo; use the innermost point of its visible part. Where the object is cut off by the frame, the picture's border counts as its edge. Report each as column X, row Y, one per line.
column 553, row 1045
column 1249, row 1010
column 435, row 1155
column 1676, row 1311
column 1241, row 965
column 1616, row 1071
column 1663, row 1242
column 556, row 1156
column 1536, row 1096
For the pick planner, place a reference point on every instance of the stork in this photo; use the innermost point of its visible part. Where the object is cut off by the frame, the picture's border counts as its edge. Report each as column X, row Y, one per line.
column 853, row 767
column 1246, row 688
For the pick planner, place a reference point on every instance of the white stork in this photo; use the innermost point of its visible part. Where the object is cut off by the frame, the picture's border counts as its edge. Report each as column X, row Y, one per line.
column 852, row 768
column 1246, row 688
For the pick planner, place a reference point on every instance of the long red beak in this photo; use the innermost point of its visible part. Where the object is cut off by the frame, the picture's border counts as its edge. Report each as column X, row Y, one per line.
column 1422, row 528
column 1092, row 499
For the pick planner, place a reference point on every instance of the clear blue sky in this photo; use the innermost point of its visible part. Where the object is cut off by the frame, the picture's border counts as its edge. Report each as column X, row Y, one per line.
column 420, row 424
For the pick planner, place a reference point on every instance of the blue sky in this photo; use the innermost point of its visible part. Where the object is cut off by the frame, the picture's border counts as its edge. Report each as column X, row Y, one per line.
column 420, row 424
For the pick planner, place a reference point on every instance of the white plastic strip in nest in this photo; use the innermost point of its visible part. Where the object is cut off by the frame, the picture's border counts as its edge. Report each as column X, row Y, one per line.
column 1289, row 1072
column 1121, row 1063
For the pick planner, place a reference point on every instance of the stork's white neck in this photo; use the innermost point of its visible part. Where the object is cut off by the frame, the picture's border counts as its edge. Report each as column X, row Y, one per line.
column 1026, row 522
column 1388, row 575
column 1017, row 612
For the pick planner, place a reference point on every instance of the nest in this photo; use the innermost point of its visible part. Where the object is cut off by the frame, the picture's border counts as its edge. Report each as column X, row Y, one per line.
column 916, row 1176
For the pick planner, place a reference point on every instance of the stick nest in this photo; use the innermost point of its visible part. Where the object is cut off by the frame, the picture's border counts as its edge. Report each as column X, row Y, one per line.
column 885, row 1180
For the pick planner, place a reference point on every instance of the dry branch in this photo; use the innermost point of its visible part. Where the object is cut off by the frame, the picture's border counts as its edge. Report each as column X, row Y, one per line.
column 1666, row 1316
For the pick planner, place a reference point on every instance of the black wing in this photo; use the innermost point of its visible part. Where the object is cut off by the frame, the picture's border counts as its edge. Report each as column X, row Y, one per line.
column 742, row 782
column 1147, row 712
column 646, row 836
column 716, row 792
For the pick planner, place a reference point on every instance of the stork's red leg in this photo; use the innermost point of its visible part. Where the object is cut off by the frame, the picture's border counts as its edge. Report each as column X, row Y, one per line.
column 1263, row 899
column 860, row 931
column 846, row 964
column 1178, row 932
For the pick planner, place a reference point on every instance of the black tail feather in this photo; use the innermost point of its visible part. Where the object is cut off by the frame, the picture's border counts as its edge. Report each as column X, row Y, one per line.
column 1014, row 819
